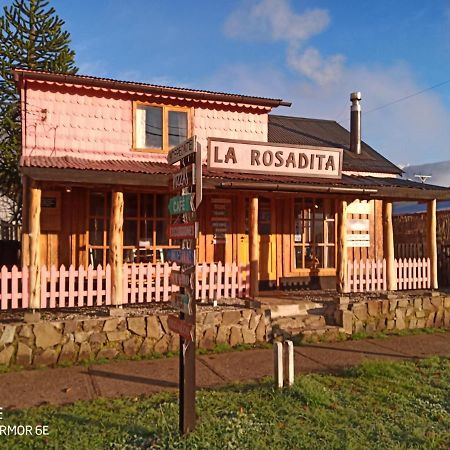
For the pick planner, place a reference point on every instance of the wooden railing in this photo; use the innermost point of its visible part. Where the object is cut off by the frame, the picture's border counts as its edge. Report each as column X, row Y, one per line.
column 142, row 283
column 370, row 275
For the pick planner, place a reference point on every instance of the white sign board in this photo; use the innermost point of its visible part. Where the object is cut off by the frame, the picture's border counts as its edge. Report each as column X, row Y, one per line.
column 358, row 224
column 277, row 159
column 358, row 240
column 359, row 207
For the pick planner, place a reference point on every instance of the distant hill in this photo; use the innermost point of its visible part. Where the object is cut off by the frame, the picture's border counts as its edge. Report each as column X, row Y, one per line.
column 439, row 171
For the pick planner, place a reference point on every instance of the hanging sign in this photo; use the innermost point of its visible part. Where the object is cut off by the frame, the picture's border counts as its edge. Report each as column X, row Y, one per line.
column 277, row 159
column 181, row 256
column 181, row 327
column 181, row 204
column 184, row 231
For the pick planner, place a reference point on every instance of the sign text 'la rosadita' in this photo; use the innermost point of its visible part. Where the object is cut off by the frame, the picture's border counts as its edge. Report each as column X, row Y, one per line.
column 266, row 158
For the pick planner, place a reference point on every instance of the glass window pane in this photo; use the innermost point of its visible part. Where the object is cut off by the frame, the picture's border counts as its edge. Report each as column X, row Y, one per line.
column 130, row 205
column 161, row 205
column 153, row 127
column 130, row 232
column 97, row 204
column 298, row 257
column 96, row 231
column 177, row 127
column 161, row 232
column 330, row 231
column 328, row 256
column 147, row 205
column 318, row 231
column 96, row 256
column 146, row 230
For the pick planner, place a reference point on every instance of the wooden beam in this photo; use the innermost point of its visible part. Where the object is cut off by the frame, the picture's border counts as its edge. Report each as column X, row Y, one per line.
column 35, row 246
column 116, row 247
column 25, row 238
column 342, row 251
column 432, row 242
column 388, row 246
column 254, row 248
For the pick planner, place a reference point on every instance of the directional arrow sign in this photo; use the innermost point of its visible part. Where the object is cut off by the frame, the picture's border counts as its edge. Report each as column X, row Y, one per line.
column 183, row 231
column 182, row 150
column 181, row 256
column 180, row 279
column 181, row 204
column 181, row 327
column 183, row 302
column 184, row 178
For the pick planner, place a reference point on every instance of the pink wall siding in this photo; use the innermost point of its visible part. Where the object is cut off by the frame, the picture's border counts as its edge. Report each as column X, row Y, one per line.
column 229, row 124
column 77, row 120
column 64, row 120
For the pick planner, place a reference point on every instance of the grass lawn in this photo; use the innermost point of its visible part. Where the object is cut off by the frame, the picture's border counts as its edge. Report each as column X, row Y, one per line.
column 379, row 405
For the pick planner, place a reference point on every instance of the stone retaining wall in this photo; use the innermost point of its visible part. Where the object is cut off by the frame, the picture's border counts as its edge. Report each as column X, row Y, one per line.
column 396, row 312
column 64, row 342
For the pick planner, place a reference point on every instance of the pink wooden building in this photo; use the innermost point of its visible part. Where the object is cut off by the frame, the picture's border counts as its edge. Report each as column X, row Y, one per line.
column 94, row 154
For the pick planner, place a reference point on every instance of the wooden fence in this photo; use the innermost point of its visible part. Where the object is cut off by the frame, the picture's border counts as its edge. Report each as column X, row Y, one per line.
column 142, row 283
column 370, row 275
column 413, row 273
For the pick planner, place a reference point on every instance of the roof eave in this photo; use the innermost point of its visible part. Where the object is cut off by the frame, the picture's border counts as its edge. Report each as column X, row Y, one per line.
column 21, row 74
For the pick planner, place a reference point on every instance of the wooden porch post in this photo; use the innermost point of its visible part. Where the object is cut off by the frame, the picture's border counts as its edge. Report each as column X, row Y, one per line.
column 342, row 256
column 25, row 238
column 388, row 246
column 432, row 243
column 35, row 246
column 116, row 247
column 254, row 248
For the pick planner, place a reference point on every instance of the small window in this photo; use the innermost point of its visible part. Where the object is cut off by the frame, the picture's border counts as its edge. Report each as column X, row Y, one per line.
column 160, row 127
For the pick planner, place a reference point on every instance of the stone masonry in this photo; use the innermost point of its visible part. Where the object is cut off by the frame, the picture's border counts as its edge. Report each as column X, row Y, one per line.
column 65, row 342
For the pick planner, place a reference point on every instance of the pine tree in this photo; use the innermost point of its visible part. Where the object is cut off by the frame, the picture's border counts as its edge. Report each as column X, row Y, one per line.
column 31, row 37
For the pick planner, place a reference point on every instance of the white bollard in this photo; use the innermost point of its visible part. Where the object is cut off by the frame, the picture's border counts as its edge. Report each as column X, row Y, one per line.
column 278, row 364
column 288, row 363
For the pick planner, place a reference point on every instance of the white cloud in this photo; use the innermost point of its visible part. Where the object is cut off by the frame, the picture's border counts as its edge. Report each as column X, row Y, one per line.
column 275, row 20
column 413, row 131
column 311, row 64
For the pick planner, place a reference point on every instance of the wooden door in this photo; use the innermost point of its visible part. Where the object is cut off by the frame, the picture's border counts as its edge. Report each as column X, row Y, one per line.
column 267, row 239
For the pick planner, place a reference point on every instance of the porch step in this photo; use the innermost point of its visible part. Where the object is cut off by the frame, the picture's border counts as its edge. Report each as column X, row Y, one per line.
column 289, row 308
column 309, row 334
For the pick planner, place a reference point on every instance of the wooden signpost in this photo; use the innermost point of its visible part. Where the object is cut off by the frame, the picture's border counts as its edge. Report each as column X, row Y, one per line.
column 187, row 182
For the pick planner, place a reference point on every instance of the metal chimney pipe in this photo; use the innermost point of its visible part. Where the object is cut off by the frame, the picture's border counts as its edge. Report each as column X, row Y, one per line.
column 355, row 123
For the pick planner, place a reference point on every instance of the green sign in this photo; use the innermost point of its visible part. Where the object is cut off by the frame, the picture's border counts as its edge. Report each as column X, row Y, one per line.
column 181, row 204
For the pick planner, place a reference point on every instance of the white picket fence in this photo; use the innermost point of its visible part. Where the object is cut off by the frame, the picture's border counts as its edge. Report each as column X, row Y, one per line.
column 142, row 283
column 370, row 275
column 413, row 273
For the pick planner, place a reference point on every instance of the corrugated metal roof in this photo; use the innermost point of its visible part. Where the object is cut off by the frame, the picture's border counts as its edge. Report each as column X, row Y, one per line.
column 109, row 165
column 139, row 86
column 327, row 133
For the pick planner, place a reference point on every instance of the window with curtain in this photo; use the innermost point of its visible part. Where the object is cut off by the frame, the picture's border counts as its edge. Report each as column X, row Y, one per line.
column 160, row 128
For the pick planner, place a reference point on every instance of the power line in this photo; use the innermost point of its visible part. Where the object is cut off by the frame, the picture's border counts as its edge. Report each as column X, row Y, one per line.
column 405, row 97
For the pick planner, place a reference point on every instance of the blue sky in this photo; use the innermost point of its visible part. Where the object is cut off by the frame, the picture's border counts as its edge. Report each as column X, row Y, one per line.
column 313, row 53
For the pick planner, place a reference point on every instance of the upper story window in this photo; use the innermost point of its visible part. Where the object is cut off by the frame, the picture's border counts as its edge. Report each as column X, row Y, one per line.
column 160, row 127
